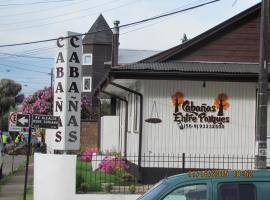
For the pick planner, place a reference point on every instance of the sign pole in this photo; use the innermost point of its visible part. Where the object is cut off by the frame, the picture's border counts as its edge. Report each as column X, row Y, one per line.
column 27, row 163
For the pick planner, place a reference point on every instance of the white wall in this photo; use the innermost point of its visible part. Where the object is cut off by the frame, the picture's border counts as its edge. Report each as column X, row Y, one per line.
column 237, row 138
column 109, row 133
column 54, row 178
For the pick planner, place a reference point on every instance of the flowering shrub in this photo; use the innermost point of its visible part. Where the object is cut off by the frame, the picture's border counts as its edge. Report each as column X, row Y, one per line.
column 109, row 163
column 87, row 154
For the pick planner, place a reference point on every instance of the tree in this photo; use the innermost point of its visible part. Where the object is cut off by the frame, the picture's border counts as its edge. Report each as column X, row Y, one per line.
column 38, row 103
column 184, row 39
column 88, row 114
column 9, row 96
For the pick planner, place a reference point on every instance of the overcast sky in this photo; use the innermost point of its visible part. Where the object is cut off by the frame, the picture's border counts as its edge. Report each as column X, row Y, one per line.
column 29, row 20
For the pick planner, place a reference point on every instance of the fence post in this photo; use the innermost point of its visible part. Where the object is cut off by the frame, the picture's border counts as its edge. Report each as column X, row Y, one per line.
column 183, row 162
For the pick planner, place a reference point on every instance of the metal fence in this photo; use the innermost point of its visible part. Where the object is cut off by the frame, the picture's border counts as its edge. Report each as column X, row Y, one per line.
column 113, row 173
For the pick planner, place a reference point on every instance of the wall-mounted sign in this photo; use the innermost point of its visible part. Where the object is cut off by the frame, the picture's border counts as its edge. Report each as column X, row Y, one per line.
column 189, row 114
column 67, row 92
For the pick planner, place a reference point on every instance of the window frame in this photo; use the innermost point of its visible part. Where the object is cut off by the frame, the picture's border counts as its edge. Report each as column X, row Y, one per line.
column 236, row 183
column 83, row 88
column 187, row 185
column 130, row 112
column 91, row 60
column 136, row 113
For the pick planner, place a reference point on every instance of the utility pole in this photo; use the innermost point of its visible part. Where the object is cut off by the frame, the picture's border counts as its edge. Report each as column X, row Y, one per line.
column 261, row 128
column 51, row 91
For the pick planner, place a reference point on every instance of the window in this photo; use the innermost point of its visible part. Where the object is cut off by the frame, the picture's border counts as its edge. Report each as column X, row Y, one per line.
column 191, row 192
column 87, row 84
column 130, row 104
column 237, row 192
column 87, row 59
column 136, row 113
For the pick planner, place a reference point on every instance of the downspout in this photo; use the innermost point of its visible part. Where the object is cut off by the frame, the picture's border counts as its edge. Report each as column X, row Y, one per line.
column 126, row 118
column 141, row 118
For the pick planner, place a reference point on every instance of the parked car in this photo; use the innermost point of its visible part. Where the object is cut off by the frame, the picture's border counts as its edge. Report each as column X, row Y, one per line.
column 213, row 185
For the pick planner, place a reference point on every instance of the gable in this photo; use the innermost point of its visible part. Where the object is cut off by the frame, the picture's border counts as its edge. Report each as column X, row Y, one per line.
column 237, row 43
column 235, row 40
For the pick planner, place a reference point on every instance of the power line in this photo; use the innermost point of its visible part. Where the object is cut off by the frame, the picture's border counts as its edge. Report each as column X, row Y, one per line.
column 22, row 68
column 33, row 3
column 25, row 56
column 69, row 19
column 59, row 15
column 41, row 10
column 148, row 25
column 125, row 25
column 15, row 62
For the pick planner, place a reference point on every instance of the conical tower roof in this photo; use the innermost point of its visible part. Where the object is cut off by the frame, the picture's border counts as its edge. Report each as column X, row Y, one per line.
column 100, row 32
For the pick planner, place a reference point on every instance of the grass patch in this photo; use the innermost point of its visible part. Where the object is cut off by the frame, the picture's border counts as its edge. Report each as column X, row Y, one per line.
column 29, row 194
column 5, row 179
column 88, row 180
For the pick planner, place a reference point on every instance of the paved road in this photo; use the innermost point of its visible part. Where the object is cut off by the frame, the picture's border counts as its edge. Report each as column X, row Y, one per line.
column 12, row 163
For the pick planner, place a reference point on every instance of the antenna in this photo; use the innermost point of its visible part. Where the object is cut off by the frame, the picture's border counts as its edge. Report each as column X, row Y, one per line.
column 234, row 3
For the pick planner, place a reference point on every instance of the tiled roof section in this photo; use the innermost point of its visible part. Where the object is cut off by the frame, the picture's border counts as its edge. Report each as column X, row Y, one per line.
column 198, row 67
column 100, row 32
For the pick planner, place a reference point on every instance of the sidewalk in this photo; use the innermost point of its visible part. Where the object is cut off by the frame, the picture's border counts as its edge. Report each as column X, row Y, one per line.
column 15, row 186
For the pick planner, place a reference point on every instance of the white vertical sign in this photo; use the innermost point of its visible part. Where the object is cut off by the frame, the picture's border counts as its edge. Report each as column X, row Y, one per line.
column 67, row 92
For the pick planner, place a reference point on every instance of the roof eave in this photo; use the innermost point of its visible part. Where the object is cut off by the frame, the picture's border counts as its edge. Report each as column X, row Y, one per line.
column 175, row 75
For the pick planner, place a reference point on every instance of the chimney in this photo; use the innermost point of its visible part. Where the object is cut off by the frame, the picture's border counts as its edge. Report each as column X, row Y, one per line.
column 115, row 43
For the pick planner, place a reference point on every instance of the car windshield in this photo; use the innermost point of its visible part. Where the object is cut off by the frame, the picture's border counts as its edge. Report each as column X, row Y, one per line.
column 151, row 194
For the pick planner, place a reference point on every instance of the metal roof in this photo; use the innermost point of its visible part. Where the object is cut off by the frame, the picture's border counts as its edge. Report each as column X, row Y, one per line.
column 203, row 67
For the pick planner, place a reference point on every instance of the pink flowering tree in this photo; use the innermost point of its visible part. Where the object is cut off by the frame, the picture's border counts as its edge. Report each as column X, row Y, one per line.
column 38, row 103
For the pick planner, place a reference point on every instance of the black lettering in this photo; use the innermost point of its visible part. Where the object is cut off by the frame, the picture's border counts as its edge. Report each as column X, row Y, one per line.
column 74, row 57
column 58, row 105
column 60, row 58
column 72, row 121
column 58, row 136
column 59, row 72
column 73, row 136
column 71, row 104
column 74, row 87
column 60, row 122
column 58, row 42
column 59, row 87
column 74, row 72
column 72, row 41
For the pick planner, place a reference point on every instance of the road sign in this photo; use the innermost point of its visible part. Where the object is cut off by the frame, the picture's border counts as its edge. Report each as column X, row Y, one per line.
column 45, row 121
column 23, row 120
column 12, row 123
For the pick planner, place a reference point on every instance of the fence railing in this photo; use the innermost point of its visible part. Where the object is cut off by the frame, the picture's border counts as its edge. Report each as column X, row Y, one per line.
column 114, row 173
